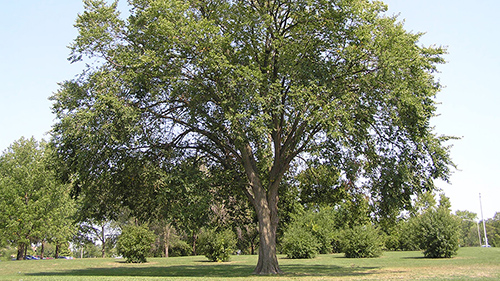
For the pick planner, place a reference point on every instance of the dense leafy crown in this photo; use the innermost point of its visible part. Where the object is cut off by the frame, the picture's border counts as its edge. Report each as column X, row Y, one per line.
column 257, row 83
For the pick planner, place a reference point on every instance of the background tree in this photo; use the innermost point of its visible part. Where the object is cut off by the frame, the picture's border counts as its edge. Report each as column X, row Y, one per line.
column 135, row 243
column 438, row 230
column 361, row 241
column 99, row 232
column 469, row 229
column 32, row 201
column 493, row 230
column 255, row 88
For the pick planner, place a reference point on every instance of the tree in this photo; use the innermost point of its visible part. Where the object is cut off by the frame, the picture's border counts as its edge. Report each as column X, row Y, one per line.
column 438, row 232
column 218, row 244
column 362, row 241
column 32, row 201
column 254, row 87
column 135, row 242
column 103, row 232
column 493, row 230
column 469, row 229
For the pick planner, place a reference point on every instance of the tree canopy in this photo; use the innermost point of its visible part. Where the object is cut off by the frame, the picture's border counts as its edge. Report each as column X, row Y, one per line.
column 258, row 89
column 35, row 206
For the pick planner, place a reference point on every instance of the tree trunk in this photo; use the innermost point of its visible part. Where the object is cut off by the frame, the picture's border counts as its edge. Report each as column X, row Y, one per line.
column 166, row 238
column 268, row 260
column 194, row 243
column 42, row 251
column 103, row 241
column 20, row 251
column 267, row 214
column 58, row 246
column 252, row 246
column 265, row 204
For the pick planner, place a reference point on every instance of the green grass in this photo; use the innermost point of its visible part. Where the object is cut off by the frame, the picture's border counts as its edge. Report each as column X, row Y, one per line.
column 470, row 264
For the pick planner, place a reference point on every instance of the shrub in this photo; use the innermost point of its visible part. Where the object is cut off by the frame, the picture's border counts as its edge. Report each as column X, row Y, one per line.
column 299, row 243
column 218, row 245
column 361, row 241
column 180, row 248
column 135, row 243
column 409, row 235
column 391, row 240
column 438, row 232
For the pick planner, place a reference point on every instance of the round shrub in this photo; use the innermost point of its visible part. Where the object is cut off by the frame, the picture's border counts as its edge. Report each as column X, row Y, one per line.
column 299, row 243
column 218, row 246
column 362, row 241
column 135, row 243
column 438, row 233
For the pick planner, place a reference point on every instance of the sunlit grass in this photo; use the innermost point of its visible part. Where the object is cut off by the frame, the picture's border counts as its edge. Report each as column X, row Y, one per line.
column 470, row 264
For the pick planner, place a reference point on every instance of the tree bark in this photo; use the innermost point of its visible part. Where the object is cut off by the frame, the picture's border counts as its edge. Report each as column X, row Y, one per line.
column 20, row 251
column 195, row 236
column 58, row 246
column 266, row 207
column 42, row 251
column 103, row 241
column 268, row 260
column 166, row 238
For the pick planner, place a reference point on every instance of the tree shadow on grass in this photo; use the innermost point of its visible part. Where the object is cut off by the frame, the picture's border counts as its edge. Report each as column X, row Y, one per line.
column 326, row 270
column 158, row 271
column 212, row 270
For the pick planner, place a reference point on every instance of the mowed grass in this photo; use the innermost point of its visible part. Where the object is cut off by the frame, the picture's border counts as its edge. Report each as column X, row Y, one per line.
column 470, row 264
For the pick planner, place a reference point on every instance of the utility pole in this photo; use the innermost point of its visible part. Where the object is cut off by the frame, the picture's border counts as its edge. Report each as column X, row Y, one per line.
column 484, row 223
column 479, row 234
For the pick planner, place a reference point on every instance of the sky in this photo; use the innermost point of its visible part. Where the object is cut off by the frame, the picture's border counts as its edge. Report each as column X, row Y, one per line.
column 34, row 35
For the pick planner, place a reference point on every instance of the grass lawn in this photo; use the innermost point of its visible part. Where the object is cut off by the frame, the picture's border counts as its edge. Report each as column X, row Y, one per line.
column 470, row 264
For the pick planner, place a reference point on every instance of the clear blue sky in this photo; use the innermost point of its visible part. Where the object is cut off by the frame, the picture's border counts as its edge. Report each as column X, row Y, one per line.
column 34, row 35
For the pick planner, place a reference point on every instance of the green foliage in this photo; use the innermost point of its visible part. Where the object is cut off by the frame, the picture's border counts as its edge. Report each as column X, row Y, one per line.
column 469, row 229
column 403, row 236
column 320, row 230
column 253, row 88
column 438, row 233
column 179, row 248
column 362, row 241
column 135, row 243
column 217, row 246
column 64, row 250
column 321, row 185
column 299, row 243
column 408, row 235
column 321, row 224
column 34, row 204
column 493, row 230
column 7, row 252
column 90, row 250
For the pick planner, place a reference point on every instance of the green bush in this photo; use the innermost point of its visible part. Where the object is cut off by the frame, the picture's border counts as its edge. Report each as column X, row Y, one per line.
column 409, row 235
column 438, row 232
column 403, row 236
column 218, row 245
column 362, row 241
column 180, row 248
column 135, row 243
column 299, row 243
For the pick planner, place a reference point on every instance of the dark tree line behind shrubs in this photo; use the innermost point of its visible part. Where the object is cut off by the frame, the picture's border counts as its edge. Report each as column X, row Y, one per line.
column 333, row 229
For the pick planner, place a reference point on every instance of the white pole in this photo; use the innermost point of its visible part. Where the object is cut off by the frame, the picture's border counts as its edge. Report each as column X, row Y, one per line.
column 479, row 234
column 484, row 223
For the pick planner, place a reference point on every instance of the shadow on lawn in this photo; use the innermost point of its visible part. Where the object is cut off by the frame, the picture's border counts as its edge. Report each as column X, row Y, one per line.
column 214, row 270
